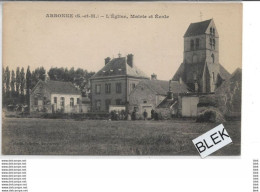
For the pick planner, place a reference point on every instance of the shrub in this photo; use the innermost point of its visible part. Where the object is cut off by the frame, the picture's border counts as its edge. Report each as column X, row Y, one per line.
column 210, row 115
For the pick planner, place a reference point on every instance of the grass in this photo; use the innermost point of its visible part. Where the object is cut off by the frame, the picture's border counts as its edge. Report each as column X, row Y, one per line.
column 21, row 136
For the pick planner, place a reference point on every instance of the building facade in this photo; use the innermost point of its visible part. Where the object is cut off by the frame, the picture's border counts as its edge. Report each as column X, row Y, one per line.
column 55, row 96
column 113, row 83
column 201, row 70
column 148, row 94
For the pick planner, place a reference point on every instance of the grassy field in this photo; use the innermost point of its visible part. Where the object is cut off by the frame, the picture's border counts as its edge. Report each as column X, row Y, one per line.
column 21, row 136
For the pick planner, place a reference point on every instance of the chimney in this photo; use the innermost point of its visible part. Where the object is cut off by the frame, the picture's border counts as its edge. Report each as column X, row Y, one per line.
column 107, row 60
column 153, row 77
column 46, row 78
column 130, row 60
column 170, row 94
column 180, row 80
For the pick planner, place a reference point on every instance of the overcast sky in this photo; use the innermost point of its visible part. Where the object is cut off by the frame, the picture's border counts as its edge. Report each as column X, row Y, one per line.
column 29, row 38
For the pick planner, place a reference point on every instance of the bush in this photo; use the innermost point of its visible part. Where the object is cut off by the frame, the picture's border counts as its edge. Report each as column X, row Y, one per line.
column 210, row 115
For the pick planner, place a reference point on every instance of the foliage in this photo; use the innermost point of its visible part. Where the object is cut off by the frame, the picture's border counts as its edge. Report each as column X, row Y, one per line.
column 21, row 83
column 79, row 77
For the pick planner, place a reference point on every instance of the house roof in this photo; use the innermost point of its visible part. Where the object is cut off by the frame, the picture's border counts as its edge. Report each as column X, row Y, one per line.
column 168, row 103
column 198, row 28
column 197, row 68
column 85, row 100
column 223, row 72
column 60, row 87
column 119, row 67
column 162, row 87
column 234, row 80
column 194, row 70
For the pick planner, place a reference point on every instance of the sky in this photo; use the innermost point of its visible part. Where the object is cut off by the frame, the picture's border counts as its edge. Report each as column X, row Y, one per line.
column 31, row 38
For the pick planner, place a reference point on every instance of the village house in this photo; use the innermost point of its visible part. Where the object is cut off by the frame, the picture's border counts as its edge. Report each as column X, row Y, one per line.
column 111, row 86
column 148, row 94
column 56, row 96
column 201, row 70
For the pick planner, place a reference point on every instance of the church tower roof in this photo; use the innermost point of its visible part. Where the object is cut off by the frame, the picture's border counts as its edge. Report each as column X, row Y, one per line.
column 198, row 28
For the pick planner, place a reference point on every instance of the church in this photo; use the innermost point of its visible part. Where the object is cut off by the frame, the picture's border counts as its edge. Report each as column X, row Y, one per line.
column 201, row 70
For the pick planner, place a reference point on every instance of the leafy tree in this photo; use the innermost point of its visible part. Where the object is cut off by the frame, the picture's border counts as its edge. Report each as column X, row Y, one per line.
column 79, row 77
column 7, row 81
column 22, row 79
column 28, row 84
column 3, row 83
column 17, row 81
column 13, row 83
column 36, row 75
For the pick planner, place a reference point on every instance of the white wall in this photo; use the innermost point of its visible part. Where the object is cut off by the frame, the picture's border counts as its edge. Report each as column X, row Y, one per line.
column 67, row 100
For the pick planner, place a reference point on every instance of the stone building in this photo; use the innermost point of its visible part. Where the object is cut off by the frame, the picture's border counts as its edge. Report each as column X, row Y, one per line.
column 113, row 83
column 55, row 96
column 148, row 94
column 201, row 70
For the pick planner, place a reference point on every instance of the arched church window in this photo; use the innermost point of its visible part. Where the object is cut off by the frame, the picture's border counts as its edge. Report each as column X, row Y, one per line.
column 210, row 30
column 213, row 31
column 192, row 44
column 213, row 58
column 197, row 43
column 213, row 42
column 210, row 42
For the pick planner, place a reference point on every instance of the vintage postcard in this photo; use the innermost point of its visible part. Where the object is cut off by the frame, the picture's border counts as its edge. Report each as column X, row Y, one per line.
column 126, row 78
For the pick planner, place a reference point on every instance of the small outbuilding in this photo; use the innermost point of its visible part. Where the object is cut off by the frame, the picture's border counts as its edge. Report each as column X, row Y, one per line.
column 148, row 94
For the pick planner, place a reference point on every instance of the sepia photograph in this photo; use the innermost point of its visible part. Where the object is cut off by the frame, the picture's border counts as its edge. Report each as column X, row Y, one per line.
column 121, row 79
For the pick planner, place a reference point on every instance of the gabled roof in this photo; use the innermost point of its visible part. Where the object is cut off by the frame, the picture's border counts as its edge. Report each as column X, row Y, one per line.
column 223, row 72
column 162, row 87
column 119, row 67
column 168, row 103
column 187, row 72
column 194, row 70
column 235, row 78
column 190, row 69
column 198, row 28
column 59, row 87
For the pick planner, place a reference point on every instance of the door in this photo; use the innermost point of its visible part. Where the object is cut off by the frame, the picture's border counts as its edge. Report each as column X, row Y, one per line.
column 148, row 110
column 189, row 106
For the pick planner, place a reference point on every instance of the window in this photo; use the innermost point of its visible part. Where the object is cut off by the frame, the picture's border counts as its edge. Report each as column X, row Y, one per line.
column 210, row 30
column 213, row 58
column 35, row 101
column 97, row 89
column 77, row 101
column 210, row 42
column 107, row 88
column 213, row 42
column 144, row 101
column 192, row 44
column 118, row 101
column 108, row 102
column 118, row 88
column 98, row 105
column 197, row 43
column 132, row 86
column 71, row 102
column 213, row 31
column 44, row 100
column 213, row 76
column 55, row 100
column 62, row 101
